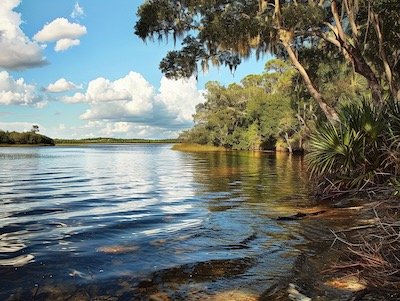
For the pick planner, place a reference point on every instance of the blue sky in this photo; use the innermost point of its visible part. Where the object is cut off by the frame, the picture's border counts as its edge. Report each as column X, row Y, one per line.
column 77, row 70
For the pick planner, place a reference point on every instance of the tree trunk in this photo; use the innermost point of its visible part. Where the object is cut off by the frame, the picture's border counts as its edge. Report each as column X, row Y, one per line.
column 286, row 38
column 360, row 64
column 329, row 111
column 362, row 68
column 290, row 149
column 382, row 53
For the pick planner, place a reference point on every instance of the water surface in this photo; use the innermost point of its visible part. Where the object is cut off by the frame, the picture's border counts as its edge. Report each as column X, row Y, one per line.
column 126, row 222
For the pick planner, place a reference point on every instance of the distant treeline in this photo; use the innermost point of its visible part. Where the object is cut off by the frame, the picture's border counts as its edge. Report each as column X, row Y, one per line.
column 101, row 140
column 24, row 138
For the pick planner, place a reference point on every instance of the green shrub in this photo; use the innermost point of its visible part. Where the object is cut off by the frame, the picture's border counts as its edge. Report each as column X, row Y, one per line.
column 360, row 151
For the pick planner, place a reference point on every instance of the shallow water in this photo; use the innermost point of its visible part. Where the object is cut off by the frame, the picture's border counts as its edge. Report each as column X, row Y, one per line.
column 129, row 222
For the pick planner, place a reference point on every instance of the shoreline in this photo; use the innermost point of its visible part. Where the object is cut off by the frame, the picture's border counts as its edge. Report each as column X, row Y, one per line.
column 109, row 143
column 324, row 270
column 81, row 144
column 198, row 148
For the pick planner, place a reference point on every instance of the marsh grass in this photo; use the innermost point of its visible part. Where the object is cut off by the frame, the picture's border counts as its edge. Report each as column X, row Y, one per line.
column 191, row 147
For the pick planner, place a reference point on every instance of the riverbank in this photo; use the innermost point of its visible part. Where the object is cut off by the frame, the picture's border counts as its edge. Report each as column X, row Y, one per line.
column 197, row 148
column 355, row 257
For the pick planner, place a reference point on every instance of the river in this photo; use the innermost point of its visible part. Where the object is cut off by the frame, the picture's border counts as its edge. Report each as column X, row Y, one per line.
column 133, row 222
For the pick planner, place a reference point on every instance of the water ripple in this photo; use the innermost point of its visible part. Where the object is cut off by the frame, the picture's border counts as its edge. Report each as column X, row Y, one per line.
column 86, row 214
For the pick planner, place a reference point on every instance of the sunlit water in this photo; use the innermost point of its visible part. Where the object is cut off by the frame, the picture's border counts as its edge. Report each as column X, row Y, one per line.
column 124, row 222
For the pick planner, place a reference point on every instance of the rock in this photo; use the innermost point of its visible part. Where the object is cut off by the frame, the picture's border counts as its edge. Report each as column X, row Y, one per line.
column 235, row 295
column 159, row 297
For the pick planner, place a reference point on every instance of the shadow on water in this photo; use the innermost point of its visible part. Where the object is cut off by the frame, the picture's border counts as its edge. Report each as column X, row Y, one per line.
column 143, row 222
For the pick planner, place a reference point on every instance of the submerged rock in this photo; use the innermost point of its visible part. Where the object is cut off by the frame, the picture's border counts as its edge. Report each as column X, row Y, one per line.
column 117, row 249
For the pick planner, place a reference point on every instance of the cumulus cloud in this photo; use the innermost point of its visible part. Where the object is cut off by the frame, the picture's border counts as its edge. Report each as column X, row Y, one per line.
column 77, row 12
column 65, row 44
column 61, row 85
column 58, row 29
column 180, row 97
column 132, row 99
column 17, row 92
column 17, row 50
column 61, row 31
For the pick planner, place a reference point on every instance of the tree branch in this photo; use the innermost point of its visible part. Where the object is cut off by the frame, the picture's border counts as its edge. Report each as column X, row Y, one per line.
column 329, row 111
column 382, row 53
column 351, row 16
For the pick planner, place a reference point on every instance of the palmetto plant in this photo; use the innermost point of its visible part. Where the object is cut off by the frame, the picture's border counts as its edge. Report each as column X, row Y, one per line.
column 359, row 151
column 392, row 146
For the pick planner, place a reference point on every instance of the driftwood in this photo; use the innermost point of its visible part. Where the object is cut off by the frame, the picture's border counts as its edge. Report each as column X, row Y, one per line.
column 299, row 215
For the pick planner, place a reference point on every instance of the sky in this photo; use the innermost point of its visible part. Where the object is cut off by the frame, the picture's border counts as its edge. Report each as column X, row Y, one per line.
column 77, row 70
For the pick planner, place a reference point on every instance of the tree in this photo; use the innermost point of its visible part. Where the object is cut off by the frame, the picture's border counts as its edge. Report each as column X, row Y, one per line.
column 251, row 116
column 226, row 31
column 35, row 128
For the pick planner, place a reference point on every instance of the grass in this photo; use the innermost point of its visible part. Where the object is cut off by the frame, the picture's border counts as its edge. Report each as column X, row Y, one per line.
column 192, row 147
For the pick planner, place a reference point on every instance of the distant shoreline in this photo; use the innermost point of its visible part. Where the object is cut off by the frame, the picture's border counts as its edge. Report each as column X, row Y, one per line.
column 83, row 143
column 23, row 145
column 110, row 143
column 66, row 142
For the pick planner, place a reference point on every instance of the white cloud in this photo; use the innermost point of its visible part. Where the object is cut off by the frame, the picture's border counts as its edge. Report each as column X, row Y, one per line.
column 132, row 99
column 77, row 12
column 77, row 98
column 110, row 129
column 19, row 126
column 65, row 44
column 180, row 97
column 61, row 85
column 58, row 29
column 17, row 50
column 61, row 31
column 17, row 92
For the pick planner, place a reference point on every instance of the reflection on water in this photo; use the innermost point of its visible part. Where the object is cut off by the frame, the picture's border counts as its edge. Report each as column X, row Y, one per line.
column 130, row 222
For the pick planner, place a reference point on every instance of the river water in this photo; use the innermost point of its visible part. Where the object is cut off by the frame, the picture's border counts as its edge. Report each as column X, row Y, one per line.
column 133, row 222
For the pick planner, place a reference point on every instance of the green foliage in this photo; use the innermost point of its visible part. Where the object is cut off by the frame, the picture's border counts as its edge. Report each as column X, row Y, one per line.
column 250, row 116
column 228, row 30
column 302, row 16
column 361, row 150
column 24, row 138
